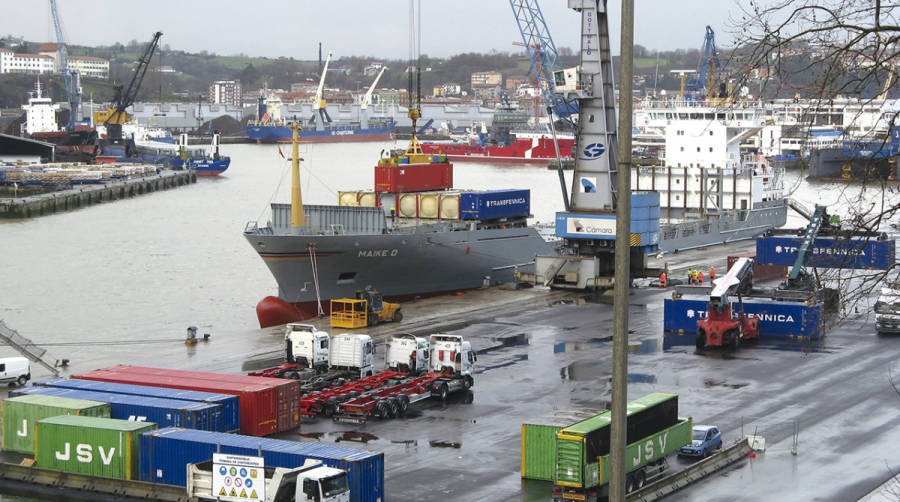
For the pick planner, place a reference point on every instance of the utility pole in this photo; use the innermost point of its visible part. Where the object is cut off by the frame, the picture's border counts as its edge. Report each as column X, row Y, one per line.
column 622, row 264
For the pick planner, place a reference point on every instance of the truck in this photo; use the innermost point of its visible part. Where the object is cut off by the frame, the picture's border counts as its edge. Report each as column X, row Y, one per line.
column 406, row 353
column 320, row 361
column 453, row 358
column 306, row 346
column 310, row 482
column 653, row 432
column 887, row 310
column 367, row 308
column 353, row 353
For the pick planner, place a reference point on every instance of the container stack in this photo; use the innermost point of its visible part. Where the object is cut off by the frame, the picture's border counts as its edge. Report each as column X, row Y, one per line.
column 22, row 412
column 71, row 174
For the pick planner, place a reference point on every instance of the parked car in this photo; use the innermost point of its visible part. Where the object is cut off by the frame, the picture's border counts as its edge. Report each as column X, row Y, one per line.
column 15, row 370
column 704, row 440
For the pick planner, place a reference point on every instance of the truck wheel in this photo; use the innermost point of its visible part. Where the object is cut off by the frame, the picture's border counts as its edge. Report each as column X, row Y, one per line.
column 398, row 316
column 444, row 391
column 22, row 380
column 468, row 382
column 701, row 339
column 734, row 341
column 404, row 404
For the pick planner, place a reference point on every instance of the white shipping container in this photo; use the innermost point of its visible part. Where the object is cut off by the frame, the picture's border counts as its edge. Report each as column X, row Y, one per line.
column 408, row 206
column 368, row 199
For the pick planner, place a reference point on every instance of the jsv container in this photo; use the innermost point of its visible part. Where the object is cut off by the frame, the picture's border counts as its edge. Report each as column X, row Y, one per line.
column 20, row 414
column 90, row 445
column 539, row 441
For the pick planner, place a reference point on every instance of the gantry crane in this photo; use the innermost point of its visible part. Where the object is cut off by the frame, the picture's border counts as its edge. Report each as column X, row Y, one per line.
column 72, row 78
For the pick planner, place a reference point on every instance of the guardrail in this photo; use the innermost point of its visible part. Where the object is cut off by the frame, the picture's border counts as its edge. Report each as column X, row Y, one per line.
column 35, row 482
column 670, row 484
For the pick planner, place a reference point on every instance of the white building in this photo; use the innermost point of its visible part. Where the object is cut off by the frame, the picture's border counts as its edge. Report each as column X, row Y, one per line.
column 11, row 62
column 40, row 113
column 90, row 66
column 226, row 92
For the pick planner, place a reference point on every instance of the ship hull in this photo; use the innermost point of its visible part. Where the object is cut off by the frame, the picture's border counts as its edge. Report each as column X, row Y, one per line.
column 282, row 134
column 728, row 227
column 398, row 265
column 533, row 150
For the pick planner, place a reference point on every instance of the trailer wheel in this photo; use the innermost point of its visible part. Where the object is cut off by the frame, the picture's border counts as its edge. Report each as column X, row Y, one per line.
column 293, row 375
column 701, row 338
column 404, row 404
column 468, row 382
column 389, row 408
column 329, row 410
column 398, row 316
column 444, row 391
column 639, row 479
column 380, row 410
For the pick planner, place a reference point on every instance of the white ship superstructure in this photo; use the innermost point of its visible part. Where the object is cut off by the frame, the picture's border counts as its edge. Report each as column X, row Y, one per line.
column 40, row 113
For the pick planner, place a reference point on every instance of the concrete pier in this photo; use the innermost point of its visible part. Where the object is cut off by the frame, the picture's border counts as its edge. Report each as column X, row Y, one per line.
column 80, row 196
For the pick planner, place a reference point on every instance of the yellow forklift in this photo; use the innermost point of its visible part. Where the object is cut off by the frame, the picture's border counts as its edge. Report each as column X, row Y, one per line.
column 368, row 308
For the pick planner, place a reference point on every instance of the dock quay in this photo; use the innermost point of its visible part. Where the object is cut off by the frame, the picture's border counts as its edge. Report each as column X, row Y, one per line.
column 84, row 195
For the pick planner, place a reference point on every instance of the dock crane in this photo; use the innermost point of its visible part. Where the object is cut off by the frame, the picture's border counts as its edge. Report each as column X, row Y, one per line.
column 72, row 78
column 700, row 84
column 320, row 114
column 366, row 100
column 720, row 327
column 115, row 115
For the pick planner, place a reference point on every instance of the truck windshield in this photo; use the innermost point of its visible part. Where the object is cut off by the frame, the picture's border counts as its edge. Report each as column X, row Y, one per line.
column 334, row 485
column 887, row 307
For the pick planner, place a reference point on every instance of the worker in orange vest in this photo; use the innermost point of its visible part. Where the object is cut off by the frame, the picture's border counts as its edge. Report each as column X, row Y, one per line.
column 662, row 280
column 712, row 274
column 700, row 277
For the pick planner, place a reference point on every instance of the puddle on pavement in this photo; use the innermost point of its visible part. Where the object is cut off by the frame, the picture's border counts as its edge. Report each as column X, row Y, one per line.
column 337, row 437
column 598, row 370
column 434, row 443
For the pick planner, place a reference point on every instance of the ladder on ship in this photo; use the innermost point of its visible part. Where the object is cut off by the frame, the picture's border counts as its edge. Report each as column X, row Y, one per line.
column 27, row 348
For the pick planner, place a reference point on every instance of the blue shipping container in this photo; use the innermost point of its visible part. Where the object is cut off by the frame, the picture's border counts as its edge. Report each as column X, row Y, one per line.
column 163, row 412
column 791, row 320
column 166, row 452
column 494, row 204
column 227, row 417
column 828, row 253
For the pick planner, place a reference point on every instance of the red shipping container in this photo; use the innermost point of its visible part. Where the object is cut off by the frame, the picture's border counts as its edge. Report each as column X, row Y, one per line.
column 413, row 177
column 267, row 405
column 760, row 272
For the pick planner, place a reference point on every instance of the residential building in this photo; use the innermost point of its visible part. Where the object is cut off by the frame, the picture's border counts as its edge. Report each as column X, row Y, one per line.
column 485, row 79
column 11, row 62
column 227, row 92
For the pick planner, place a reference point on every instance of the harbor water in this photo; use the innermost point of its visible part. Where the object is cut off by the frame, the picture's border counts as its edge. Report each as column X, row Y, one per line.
column 145, row 268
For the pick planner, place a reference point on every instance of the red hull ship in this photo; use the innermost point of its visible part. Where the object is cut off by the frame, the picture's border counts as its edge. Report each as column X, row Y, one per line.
column 537, row 150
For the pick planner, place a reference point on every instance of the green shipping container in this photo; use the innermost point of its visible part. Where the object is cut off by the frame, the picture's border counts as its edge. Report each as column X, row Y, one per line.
column 539, row 441
column 22, row 412
column 89, row 445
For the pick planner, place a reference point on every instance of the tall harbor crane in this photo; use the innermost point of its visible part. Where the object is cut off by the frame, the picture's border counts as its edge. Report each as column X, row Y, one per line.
column 367, row 99
column 320, row 114
column 115, row 115
column 588, row 226
column 700, row 84
column 72, row 78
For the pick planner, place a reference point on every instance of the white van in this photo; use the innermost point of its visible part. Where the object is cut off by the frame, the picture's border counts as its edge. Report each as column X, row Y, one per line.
column 15, row 370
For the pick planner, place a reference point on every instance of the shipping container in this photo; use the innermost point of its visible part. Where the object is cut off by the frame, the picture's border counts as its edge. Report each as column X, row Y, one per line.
column 95, row 446
column 539, row 441
column 227, row 417
column 828, row 252
column 408, row 205
column 267, row 405
column 760, row 272
column 19, row 414
column 413, row 178
column 162, row 412
column 349, row 198
column 495, row 204
column 777, row 319
column 166, row 452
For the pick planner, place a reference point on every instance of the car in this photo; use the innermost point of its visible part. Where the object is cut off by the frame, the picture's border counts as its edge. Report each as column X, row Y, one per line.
column 705, row 439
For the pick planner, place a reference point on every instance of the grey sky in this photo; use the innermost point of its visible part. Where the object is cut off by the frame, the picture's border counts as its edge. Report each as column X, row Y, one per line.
column 376, row 28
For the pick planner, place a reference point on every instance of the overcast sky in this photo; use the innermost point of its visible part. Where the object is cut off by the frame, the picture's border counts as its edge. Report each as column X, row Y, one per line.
column 378, row 28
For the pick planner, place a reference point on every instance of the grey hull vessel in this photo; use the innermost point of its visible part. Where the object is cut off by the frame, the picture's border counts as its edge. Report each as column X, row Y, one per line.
column 345, row 248
column 724, row 227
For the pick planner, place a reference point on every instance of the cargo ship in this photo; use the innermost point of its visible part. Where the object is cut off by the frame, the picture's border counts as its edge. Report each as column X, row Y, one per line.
column 526, row 148
column 413, row 236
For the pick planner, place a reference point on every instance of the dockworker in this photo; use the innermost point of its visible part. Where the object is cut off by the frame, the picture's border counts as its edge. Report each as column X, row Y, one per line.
column 712, row 273
column 700, row 277
column 662, row 280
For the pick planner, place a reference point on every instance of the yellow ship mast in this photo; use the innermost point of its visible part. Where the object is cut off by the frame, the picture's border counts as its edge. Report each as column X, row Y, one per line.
column 298, row 219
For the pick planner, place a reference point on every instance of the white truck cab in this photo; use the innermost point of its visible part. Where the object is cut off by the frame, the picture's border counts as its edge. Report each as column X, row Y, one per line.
column 887, row 310
column 304, row 344
column 450, row 354
column 350, row 351
column 311, row 482
column 407, row 353
column 15, row 370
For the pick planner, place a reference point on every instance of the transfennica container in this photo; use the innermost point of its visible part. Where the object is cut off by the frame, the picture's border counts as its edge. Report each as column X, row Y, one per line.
column 20, row 413
column 103, row 447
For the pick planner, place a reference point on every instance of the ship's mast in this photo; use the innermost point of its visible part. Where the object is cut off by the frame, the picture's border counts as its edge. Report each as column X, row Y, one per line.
column 298, row 219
